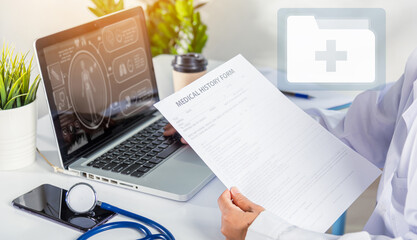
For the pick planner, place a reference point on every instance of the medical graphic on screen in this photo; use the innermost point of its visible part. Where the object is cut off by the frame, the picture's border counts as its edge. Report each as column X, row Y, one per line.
column 100, row 79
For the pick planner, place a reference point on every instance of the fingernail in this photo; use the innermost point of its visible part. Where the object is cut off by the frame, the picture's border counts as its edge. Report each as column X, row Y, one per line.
column 235, row 190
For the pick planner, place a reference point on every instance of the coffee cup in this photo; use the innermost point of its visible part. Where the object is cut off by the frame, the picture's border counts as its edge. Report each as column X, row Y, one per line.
column 187, row 68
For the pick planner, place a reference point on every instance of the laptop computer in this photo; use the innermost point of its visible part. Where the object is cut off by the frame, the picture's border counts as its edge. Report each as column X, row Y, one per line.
column 100, row 86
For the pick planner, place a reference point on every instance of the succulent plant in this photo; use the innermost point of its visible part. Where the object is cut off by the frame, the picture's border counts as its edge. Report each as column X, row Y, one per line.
column 174, row 26
column 104, row 7
column 15, row 88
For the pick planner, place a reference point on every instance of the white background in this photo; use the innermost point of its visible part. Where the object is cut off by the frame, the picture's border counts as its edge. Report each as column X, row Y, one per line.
column 248, row 27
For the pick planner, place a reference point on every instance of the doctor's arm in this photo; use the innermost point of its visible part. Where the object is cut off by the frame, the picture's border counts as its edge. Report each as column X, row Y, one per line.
column 368, row 125
column 243, row 219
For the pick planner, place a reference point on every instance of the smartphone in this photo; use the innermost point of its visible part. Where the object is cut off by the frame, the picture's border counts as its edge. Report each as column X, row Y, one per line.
column 49, row 202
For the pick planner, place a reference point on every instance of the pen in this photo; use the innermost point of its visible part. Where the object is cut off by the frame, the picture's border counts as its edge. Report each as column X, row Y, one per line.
column 299, row 95
column 340, row 107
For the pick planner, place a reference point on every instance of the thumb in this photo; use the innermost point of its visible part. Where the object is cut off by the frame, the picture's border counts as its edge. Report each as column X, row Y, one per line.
column 241, row 201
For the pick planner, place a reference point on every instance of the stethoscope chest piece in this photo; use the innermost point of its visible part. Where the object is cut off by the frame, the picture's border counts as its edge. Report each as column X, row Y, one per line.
column 81, row 198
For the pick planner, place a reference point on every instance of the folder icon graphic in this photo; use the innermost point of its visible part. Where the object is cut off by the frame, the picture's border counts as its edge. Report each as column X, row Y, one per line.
column 324, row 47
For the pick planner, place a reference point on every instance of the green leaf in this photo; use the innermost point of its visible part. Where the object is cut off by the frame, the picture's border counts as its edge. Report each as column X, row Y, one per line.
column 196, row 19
column 2, row 92
column 10, row 103
column 158, row 41
column 18, row 102
column 198, row 48
column 25, row 82
column 181, row 8
column 201, row 31
column 32, row 91
column 110, row 4
column 30, row 64
column 98, row 3
column 166, row 30
column 199, row 5
column 15, row 88
column 98, row 12
column 119, row 6
column 36, row 89
column 104, row 7
column 6, row 80
column 156, row 51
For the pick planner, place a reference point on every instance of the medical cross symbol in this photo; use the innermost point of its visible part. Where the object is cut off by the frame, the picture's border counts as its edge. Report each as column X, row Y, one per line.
column 331, row 56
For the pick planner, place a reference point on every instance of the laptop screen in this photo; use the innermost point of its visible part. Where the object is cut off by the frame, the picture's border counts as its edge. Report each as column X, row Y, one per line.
column 99, row 80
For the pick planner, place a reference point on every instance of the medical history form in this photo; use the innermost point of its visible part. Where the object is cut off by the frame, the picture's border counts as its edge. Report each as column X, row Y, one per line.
column 251, row 136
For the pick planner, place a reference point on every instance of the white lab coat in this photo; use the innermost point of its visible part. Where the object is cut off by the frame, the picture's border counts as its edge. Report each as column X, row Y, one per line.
column 382, row 127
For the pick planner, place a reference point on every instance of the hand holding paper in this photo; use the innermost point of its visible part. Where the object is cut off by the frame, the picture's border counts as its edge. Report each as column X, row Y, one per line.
column 253, row 137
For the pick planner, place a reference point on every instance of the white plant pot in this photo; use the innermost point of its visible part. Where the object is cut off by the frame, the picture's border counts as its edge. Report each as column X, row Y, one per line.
column 18, row 136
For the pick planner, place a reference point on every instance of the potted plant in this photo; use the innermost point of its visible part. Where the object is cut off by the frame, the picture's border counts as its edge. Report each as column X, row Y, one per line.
column 18, row 110
column 104, row 7
column 174, row 26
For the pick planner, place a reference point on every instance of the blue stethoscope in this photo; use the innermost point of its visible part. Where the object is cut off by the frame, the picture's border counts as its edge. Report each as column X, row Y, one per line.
column 81, row 198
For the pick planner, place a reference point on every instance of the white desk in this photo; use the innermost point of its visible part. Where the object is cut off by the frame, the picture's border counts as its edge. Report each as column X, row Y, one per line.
column 199, row 218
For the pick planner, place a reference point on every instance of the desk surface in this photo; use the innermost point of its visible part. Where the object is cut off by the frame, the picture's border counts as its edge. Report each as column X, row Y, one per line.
column 199, row 218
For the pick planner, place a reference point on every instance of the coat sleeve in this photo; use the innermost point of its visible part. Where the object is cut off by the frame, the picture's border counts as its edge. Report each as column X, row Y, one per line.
column 368, row 125
column 268, row 226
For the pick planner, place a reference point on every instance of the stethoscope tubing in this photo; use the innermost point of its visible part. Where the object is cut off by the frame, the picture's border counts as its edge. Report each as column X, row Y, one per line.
column 145, row 220
column 114, row 225
column 148, row 235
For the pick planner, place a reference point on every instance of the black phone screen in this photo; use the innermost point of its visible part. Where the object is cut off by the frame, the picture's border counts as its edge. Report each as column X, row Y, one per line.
column 49, row 202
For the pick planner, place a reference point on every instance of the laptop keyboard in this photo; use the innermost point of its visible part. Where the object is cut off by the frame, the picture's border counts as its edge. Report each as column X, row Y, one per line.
column 140, row 153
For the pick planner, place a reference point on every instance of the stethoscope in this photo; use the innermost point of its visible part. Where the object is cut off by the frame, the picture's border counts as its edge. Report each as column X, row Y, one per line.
column 82, row 198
